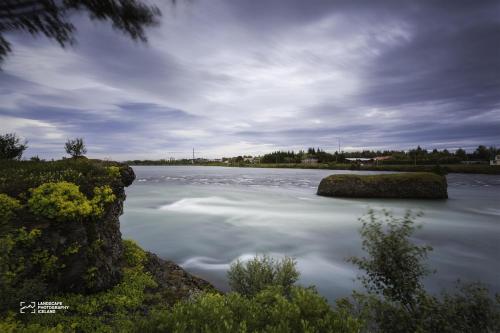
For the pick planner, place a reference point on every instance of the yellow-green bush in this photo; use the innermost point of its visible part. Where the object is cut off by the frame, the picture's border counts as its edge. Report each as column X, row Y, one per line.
column 63, row 201
column 103, row 195
column 7, row 207
column 60, row 201
column 113, row 171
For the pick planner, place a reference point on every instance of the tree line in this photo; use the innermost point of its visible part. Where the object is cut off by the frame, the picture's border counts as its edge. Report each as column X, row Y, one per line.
column 412, row 156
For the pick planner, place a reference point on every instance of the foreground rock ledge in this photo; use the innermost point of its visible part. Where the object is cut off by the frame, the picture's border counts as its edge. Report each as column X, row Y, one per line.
column 421, row 185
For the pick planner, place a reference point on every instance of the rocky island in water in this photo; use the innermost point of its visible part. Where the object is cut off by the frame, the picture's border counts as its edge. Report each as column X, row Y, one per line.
column 418, row 185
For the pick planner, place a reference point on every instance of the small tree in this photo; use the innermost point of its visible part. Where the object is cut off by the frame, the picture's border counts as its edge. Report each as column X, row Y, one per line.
column 11, row 147
column 395, row 266
column 75, row 147
column 396, row 301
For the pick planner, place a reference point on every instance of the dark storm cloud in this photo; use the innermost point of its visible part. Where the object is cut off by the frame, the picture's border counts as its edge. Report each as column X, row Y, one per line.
column 454, row 55
column 236, row 76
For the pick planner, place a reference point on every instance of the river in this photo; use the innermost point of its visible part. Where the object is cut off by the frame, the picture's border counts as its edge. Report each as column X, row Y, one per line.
column 204, row 218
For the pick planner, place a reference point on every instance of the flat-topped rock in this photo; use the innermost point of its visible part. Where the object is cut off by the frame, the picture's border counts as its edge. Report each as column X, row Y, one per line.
column 419, row 185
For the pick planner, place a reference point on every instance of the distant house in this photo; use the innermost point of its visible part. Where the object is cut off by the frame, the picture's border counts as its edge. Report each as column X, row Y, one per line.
column 310, row 160
column 382, row 158
column 496, row 161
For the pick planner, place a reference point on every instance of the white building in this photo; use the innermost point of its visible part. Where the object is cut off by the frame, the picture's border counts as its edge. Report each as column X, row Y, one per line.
column 496, row 161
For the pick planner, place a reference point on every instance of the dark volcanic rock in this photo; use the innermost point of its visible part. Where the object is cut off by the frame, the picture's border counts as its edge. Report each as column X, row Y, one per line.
column 127, row 174
column 403, row 185
column 96, row 266
column 172, row 280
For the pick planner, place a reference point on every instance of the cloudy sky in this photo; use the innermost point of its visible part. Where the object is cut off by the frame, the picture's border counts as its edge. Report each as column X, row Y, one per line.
column 231, row 77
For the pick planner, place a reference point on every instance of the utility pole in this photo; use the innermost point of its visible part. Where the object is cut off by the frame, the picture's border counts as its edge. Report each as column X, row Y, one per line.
column 193, row 155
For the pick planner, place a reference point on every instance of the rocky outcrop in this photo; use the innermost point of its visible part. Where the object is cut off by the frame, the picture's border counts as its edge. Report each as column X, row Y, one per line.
column 403, row 185
column 49, row 248
column 87, row 252
column 173, row 281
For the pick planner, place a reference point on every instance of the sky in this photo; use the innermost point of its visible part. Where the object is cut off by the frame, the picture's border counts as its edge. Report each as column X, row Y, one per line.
column 240, row 77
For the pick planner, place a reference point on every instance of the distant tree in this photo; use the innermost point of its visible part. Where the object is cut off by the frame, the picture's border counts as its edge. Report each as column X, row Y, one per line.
column 493, row 152
column 461, row 154
column 11, row 147
column 482, row 153
column 52, row 18
column 75, row 147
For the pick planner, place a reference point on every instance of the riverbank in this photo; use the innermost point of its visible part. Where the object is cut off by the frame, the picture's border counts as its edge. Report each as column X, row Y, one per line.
column 449, row 168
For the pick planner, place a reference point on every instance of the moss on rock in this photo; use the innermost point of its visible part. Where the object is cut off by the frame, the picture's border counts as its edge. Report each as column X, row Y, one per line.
column 421, row 185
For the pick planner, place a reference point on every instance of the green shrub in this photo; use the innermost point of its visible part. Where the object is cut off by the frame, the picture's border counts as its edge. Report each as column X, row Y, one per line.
column 7, row 207
column 268, row 311
column 113, row 171
column 10, row 325
column 261, row 272
column 63, row 201
column 396, row 301
column 60, row 201
column 395, row 266
column 102, row 196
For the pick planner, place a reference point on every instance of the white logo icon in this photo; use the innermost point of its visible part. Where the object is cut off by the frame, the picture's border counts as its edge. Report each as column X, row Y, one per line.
column 26, row 308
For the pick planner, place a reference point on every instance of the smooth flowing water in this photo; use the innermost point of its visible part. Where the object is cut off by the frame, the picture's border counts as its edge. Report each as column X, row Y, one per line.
column 204, row 218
